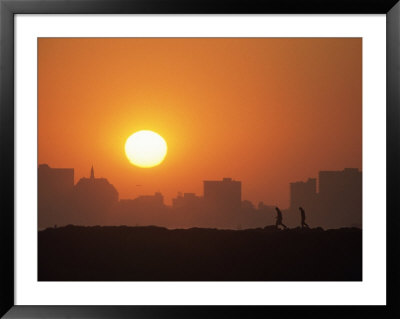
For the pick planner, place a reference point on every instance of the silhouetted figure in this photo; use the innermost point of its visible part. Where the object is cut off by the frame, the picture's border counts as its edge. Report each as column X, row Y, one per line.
column 303, row 218
column 279, row 218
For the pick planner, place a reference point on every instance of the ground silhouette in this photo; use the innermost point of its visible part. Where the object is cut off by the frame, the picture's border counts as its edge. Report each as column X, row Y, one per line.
column 121, row 253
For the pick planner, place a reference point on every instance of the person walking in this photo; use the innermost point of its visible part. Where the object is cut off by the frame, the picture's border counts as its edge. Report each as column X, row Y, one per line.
column 279, row 219
column 303, row 218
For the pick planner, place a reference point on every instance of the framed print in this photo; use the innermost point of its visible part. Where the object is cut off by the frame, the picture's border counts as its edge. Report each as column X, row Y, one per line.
column 165, row 154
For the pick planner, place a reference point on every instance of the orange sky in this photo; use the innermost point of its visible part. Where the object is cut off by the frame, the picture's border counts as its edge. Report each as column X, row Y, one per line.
column 263, row 111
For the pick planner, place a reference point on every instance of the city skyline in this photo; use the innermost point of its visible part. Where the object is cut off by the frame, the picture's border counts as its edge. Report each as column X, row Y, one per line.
column 306, row 181
column 95, row 201
column 137, row 188
column 200, row 159
column 263, row 111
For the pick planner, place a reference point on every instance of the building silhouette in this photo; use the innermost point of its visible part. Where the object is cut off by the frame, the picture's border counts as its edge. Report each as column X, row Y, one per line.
column 143, row 210
column 303, row 193
column 144, row 202
column 188, row 201
column 222, row 203
column 188, row 211
column 94, row 200
column 55, row 190
column 225, row 194
column 340, row 197
column 338, row 202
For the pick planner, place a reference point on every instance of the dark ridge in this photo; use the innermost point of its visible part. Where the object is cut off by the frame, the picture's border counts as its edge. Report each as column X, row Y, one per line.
column 151, row 253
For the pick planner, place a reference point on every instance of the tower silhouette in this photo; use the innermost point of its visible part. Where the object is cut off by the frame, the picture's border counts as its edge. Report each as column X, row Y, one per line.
column 92, row 173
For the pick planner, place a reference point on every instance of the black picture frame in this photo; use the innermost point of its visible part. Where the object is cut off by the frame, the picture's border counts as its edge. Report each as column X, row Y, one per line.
column 8, row 8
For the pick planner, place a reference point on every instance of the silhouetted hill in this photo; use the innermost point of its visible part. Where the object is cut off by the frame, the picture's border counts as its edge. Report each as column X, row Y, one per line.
column 75, row 253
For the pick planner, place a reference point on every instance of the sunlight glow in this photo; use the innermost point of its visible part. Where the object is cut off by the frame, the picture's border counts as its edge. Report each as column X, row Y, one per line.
column 145, row 149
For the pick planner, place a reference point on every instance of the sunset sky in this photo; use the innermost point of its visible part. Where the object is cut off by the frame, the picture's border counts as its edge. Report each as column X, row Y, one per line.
column 263, row 111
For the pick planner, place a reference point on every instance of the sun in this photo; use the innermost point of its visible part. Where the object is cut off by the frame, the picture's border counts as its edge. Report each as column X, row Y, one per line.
column 145, row 149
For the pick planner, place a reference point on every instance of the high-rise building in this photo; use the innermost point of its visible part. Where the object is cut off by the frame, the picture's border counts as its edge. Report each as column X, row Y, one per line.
column 225, row 194
column 337, row 183
column 340, row 196
column 338, row 202
column 55, row 188
column 303, row 193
